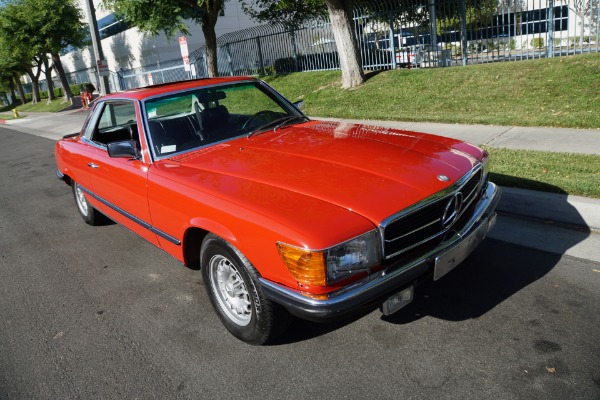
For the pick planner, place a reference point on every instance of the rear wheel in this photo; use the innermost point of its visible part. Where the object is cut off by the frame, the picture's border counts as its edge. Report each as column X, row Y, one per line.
column 89, row 214
column 232, row 286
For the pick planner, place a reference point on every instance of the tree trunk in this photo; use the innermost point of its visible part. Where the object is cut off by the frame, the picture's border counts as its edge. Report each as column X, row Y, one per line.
column 11, row 86
column 340, row 12
column 582, row 30
column 68, row 96
column 208, row 22
column 35, row 84
column 48, row 74
column 17, row 79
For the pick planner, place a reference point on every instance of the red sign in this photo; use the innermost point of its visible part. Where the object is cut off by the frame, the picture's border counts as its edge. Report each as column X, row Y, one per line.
column 102, row 67
column 184, row 52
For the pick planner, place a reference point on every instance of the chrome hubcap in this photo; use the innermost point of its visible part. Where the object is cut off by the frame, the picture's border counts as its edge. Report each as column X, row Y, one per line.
column 81, row 201
column 230, row 291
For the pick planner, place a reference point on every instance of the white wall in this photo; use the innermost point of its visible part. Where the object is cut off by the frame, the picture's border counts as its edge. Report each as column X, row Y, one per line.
column 132, row 49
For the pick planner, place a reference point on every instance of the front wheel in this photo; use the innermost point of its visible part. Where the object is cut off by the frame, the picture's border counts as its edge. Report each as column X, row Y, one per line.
column 232, row 286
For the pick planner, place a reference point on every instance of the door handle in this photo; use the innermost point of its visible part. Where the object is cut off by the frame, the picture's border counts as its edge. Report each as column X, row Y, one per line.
column 92, row 165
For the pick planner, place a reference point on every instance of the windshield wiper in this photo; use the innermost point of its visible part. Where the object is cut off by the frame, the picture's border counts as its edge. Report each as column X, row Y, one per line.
column 288, row 120
column 279, row 121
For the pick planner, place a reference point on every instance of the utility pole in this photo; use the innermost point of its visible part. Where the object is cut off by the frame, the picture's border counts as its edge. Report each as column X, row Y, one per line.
column 104, row 88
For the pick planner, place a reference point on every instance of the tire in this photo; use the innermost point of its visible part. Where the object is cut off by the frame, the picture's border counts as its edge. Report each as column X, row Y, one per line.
column 235, row 294
column 89, row 214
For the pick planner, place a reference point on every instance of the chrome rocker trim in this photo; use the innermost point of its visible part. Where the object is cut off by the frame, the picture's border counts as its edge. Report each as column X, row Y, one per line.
column 376, row 288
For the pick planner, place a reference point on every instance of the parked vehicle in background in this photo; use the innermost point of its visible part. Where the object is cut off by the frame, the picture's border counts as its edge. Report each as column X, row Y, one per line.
column 284, row 215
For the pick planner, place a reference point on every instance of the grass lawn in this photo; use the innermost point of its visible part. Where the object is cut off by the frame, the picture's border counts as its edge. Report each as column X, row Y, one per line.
column 556, row 92
column 43, row 105
column 577, row 174
column 8, row 116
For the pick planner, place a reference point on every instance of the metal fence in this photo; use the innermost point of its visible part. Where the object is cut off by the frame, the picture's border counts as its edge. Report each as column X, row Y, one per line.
column 392, row 34
column 434, row 33
column 88, row 75
column 153, row 74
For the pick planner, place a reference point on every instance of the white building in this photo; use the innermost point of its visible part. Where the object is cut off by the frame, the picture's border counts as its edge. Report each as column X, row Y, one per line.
column 127, row 48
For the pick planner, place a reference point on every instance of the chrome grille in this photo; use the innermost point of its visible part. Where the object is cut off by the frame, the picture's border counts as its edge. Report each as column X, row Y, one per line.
column 428, row 222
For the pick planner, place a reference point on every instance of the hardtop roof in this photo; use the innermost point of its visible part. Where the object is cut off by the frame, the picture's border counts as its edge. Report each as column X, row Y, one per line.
column 164, row 88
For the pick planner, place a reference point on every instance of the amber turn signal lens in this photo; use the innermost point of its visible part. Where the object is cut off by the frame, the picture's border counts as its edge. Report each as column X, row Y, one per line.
column 306, row 266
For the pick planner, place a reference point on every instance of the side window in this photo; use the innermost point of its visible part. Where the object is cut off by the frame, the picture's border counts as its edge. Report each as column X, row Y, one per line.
column 116, row 122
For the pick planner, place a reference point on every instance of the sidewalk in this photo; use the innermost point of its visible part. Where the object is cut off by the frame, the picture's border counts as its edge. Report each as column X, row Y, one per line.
column 556, row 208
column 49, row 125
column 566, row 140
column 561, row 209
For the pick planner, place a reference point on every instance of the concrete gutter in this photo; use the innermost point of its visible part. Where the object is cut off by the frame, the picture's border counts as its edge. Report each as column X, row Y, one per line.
column 560, row 208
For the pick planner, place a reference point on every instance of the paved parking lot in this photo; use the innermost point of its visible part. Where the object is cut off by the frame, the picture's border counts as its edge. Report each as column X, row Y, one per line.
column 99, row 313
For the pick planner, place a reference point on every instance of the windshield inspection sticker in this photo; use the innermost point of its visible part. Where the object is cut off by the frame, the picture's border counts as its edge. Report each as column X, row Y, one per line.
column 152, row 113
column 168, row 149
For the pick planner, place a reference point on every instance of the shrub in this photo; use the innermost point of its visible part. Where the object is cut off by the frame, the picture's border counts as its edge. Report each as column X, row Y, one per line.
column 310, row 62
column 476, row 47
column 537, row 43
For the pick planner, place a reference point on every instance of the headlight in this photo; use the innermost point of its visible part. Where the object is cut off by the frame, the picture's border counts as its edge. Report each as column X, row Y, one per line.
column 324, row 267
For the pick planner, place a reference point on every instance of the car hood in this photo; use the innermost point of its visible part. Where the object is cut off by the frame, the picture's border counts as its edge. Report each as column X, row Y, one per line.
column 371, row 171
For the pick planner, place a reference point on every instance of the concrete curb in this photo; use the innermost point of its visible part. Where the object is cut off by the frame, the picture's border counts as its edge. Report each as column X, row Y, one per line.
column 561, row 208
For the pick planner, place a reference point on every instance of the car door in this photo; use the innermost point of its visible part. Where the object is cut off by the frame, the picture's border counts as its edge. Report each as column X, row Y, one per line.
column 120, row 184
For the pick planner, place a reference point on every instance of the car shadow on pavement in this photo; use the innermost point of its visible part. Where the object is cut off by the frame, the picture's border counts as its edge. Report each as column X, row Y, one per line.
column 497, row 270
column 301, row 330
column 493, row 273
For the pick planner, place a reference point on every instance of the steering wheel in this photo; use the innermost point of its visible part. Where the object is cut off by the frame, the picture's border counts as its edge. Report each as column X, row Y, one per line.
column 260, row 114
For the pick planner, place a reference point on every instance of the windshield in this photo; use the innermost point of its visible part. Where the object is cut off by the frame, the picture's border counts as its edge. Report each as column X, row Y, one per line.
column 192, row 119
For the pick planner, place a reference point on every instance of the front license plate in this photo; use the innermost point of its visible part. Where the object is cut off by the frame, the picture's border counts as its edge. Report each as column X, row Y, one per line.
column 447, row 261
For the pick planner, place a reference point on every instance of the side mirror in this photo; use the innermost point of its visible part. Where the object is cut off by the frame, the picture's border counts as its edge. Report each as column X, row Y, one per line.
column 123, row 149
column 299, row 104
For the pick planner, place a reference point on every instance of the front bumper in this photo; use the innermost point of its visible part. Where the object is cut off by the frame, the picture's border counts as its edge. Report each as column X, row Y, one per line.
column 376, row 288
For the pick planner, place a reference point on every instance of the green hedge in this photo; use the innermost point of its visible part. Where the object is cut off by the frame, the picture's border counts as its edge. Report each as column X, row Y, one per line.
column 58, row 92
column 537, row 43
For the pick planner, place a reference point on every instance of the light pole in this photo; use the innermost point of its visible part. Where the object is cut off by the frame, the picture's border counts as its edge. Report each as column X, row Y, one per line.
column 97, row 45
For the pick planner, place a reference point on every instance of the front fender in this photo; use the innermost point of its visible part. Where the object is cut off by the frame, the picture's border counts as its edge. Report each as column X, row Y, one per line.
column 213, row 227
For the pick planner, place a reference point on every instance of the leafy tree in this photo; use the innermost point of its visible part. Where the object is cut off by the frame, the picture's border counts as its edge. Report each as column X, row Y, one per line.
column 18, row 37
column 32, row 29
column 61, row 26
column 155, row 16
column 583, row 9
column 478, row 13
column 294, row 13
column 289, row 13
column 10, row 68
column 6, row 81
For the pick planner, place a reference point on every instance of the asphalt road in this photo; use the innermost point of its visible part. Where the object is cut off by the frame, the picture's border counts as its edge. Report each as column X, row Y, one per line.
column 98, row 313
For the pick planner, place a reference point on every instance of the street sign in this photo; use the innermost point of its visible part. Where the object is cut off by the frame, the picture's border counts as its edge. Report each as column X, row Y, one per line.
column 102, row 68
column 184, row 52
